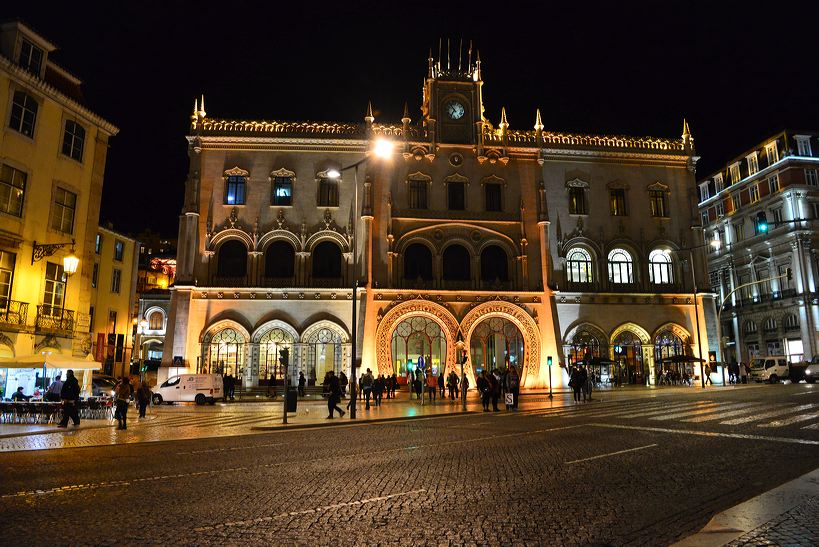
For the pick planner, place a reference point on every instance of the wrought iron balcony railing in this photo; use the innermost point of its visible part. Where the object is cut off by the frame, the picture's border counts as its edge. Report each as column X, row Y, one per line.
column 54, row 318
column 13, row 312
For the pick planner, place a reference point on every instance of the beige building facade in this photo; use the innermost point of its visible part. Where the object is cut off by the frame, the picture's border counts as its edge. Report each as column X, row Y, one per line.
column 113, row 299
column 533, row 247
column 52, row 159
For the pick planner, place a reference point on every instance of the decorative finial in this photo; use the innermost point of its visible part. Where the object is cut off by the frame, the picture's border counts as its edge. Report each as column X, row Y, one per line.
column 503, row 123
column 538, row 123
column 477, row 76
column 202, row 106
column 406, row 117
column 369, row 118
column 195, row 114
column 686, row 131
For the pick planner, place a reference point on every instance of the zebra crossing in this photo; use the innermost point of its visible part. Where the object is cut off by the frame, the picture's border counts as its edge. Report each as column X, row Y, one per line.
column 724, row 413
column 210, row 420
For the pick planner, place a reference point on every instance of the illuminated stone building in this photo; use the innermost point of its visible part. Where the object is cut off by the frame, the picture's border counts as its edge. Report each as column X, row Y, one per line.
column 771, row 314
column 52, row 159
column 530, row 243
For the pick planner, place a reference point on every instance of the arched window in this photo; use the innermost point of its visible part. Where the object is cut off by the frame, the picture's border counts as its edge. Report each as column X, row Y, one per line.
column 225, row 353
column 456, row 264
column 620, row 267
column 232, row 259
column 660, row 267
column 770, row 325
column 494, row 264
column 418, row 263
column 279, row 258
column 326, row 260
column 579, row 266
column 791, row 322
column 323, row 354
column 750, row 327
column 271, row 345
column 155, row 320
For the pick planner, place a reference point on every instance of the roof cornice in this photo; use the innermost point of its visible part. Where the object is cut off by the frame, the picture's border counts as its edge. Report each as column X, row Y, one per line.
column 43, row 87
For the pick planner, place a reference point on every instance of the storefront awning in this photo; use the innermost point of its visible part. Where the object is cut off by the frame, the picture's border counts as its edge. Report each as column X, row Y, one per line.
column 53, row 360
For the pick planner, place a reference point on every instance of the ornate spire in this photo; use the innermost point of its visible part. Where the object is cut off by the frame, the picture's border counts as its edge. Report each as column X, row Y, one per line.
column 431, row 65
column 369, row 118
column 687, row 138
column 686, row 134
column 195, row 115
column 477, row 76
column 406, row 118
column 504, row 125
column 538, row 122
column 202, row 106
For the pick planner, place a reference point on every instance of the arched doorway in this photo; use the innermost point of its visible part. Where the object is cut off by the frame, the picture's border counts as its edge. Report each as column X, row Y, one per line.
column 672, row 342
column 417, row 264
column 271, row 344
column 632, row 355
column 231, row 261
column 324, row 354
column 496, row 343
column 224, row 352
column 456, row 267
column 588, row 345
column 418, row 342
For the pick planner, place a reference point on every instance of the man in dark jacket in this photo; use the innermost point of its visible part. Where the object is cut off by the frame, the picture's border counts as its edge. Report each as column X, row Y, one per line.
column 70, row 394
column 334, row 396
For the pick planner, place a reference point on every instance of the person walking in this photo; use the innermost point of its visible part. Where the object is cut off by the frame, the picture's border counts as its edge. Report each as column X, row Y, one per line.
column 367, row 387
column 70, row 395
column 453, row 385
column 743, row 372
column 378, row 389
column 123, row 393
column 53, row 393
column 513, row 385
column 442, row 384
column 575, row 384
column 432, row 386
column 334, row 396
column 302, row 383
column 342, row 383
column 707, row 373
column 143, row 397
column 494, row 389
column 484, row 390
column 588, row 384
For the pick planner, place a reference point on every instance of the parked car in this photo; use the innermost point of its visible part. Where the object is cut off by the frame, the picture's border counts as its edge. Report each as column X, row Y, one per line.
column 812, row 370
column 103, row 385
column 770, row 369
column 197, row 388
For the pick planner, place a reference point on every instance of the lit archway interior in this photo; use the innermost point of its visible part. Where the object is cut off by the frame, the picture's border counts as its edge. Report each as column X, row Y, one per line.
column 270, row 346
column 496, row 342
column 225, row 353
column 418, row 340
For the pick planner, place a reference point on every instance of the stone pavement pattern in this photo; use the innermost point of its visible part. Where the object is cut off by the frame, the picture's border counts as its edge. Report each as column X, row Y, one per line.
column 566, row 476
column 799, row 526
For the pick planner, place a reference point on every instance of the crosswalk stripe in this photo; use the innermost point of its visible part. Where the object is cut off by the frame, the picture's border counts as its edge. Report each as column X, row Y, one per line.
column 772, row 414
column 812, row 426
column 707, row 418
column 791, row 420
column 670, row 408
column 617, row 408
column 704, row 409
column 625, row 411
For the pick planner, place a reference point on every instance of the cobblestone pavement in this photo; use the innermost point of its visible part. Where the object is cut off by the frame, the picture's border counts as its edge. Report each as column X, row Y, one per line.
column 643, row 468
column 799, row 526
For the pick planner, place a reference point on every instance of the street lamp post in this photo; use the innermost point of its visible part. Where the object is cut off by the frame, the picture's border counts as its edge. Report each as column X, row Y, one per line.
column 382, row 149
column 70, row 264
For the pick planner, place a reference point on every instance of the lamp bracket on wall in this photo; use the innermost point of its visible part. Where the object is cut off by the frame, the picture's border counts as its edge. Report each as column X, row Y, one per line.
column 39, row 252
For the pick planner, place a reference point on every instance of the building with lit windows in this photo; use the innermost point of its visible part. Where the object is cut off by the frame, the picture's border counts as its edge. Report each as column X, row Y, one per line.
column 52, row 159
column 528, row 243
column 113, row 299
column 765, row 312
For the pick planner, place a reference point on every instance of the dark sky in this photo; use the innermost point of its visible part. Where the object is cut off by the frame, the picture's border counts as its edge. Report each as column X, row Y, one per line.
column 738, row 73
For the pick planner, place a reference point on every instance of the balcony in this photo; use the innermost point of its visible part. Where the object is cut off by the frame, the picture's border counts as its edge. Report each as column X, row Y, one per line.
column 13, row 313
column 53, row 318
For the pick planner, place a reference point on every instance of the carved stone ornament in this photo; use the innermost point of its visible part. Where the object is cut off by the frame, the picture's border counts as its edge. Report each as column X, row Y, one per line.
column 577, row 183
column 48, row 341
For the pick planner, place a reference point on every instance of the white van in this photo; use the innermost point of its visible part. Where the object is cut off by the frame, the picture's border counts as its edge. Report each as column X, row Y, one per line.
column 197, row 388
column 770, row 369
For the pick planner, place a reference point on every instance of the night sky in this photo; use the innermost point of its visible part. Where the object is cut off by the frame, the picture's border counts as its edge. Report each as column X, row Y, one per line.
column 737, row 73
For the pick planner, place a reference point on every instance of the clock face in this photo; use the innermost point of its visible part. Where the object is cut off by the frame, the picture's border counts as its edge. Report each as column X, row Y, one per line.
column 454, row 110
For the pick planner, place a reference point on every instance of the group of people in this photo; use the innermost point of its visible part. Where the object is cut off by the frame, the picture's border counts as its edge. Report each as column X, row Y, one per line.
column 499, row 383
column 228, row 386
column 737, row 373
column 673, row 378
column 581, row 380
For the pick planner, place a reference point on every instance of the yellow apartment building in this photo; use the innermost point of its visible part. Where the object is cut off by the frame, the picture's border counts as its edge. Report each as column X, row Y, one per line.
column 52, row 161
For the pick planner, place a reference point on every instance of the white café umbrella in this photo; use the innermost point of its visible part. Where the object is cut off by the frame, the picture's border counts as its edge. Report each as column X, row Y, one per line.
column 51, row 361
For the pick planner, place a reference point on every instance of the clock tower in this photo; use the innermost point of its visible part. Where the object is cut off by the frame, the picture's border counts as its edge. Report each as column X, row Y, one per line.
column 452, row 106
